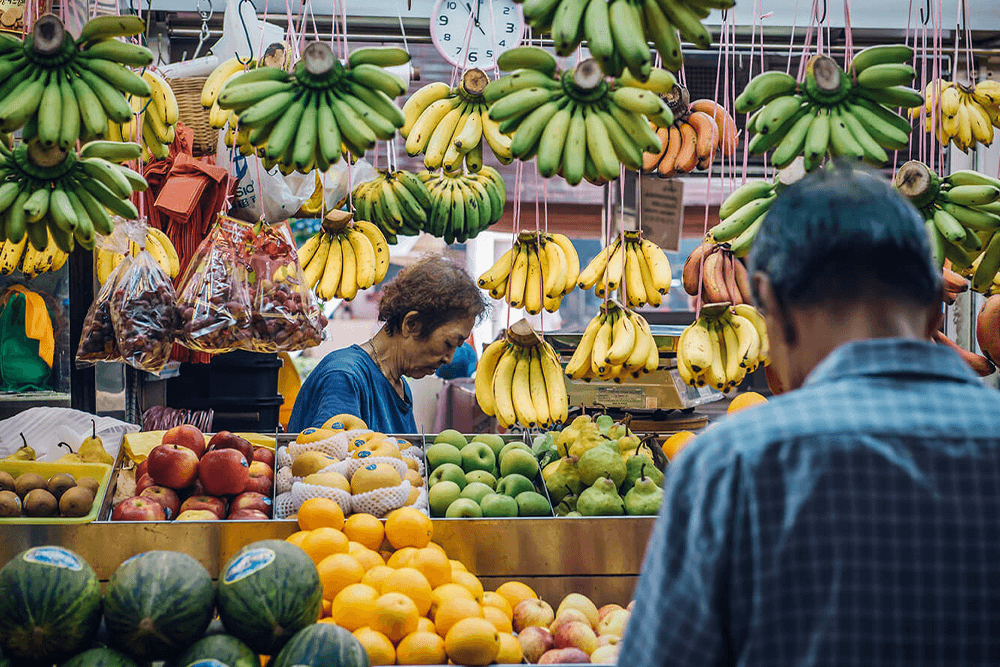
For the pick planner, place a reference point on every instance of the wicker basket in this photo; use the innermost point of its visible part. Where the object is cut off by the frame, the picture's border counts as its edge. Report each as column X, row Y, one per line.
column 191, row 113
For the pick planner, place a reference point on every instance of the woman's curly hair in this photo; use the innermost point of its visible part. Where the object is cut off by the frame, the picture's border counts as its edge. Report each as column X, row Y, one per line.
column 438, row 290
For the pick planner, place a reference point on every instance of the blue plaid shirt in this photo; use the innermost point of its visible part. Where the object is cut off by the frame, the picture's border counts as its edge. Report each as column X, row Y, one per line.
column 854, row 522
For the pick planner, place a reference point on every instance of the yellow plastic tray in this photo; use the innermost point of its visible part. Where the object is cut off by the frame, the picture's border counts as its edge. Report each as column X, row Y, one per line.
column 99, row 471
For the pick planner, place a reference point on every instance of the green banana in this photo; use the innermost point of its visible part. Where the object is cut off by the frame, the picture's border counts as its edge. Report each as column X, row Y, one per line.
column 880, row 55
column 746, row 193
column 794, row 141
column 739, row 221
column 527, row 57
column 378, row 79
column 764, row 88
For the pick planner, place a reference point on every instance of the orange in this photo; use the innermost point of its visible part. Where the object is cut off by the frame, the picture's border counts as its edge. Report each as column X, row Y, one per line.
column 395, row 616
column 408, row 527
column 510, row 650
column 470, row 582
column 433, row 564
column 447, row 592
column 324, row 542
column 472, row 641
column 401, row 558
column 675, row 443
column 745, row 400
column 337, row 572
column 325, row 611
column 494, row 599
column 365, row 556
column 366, row 529
column 515, row 591
column 375, row 576
column 457, row 565
column 413, row 585
column 454, row 610
column 326, row 619
column 425, row 625
column 297, row 537
column 421, row 648
column 498, row 619
column 320, row 513
column 354, row 606
column 378, row 647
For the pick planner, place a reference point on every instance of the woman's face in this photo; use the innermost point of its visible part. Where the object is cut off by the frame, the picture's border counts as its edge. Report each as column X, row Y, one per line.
column 424, row 356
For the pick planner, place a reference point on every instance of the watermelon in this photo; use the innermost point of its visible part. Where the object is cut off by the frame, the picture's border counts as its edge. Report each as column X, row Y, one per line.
column 100, row 657
column 157, row 604
column 50, row 605
column 323, row 645
column 218, row 651
column 267, row 592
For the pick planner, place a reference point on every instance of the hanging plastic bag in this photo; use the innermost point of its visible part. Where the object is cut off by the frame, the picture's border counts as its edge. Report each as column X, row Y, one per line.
column 144, row 311
column 213, row 300
column 286, row 315
column 97, row 340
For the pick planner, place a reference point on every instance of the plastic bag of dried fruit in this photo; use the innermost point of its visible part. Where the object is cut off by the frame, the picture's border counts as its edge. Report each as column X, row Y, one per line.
column 285, row 315
column 144, row 310
column 97, row 340
column 213, row 299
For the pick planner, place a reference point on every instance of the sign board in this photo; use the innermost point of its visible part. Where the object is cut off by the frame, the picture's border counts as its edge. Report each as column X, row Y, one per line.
column 661, row 206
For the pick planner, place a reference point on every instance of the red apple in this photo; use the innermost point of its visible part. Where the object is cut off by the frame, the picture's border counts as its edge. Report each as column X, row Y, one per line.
column 260, row 484
column 608, row 640
column 614, row 623
column 606, row 609
column 224, row 472
column 576, row 635
column 188, row 436
column 166, row 497
column 196, row 489
column 532, row 612
column 251, row 501
column 248, row 515
column 534, row 641
column 605, row 655
column 227, row 440
column 215, row 505
column 142, row 468
column 631, row 605
column 173, row 466
column 264, row 455
column 568, row 615
column 143, row 483
column 261, row 468
column 138, row 509
column 197, row 515
column 560, row 656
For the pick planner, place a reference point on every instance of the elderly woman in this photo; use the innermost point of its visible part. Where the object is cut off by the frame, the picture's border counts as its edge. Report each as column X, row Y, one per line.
column 429, row 310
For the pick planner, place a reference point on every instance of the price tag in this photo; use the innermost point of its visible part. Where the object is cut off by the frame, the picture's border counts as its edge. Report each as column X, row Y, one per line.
column 662, row 206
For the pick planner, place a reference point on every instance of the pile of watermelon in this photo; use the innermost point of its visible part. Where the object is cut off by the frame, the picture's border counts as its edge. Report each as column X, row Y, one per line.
column 162, row 606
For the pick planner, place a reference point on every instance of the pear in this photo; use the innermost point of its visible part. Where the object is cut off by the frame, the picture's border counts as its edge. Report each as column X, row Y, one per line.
column 568, row 505
column 601, row 499
column 601, row 461
column 644, row 498
column 618, row 431
column 24, row 453
column 565, row 480
column 588, row 438
column 72, row 457
column 568, row 435
column 639, row 465
column 91, row 450
column 604, row 423
column 628, row 444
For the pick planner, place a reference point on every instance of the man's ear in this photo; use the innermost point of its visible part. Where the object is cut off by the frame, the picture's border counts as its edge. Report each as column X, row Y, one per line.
column 935, row 316
column 771, row 307
column 411, row 325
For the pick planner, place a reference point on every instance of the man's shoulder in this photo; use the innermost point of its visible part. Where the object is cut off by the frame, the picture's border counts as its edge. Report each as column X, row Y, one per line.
column 350, row 361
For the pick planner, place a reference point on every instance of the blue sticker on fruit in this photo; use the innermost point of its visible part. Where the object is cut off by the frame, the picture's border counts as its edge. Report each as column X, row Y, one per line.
column 208, row 662
column 364, row 454
column 247, row 563
column 54, row 556
column 336, row 425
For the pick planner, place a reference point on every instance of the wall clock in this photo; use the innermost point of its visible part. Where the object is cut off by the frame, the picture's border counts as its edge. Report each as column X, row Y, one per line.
column 495, row 25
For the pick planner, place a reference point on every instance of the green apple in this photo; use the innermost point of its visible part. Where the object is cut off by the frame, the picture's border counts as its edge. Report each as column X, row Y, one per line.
column 476, row 491
column 521, row 462
column 478, row 456
column 441, row 496
column 514, row 485
column 495, row 442
column 452, row 437
column 442, row 453
column 464, row 508
column 511, row 446
column 481, row 476
column 532, row 503
column 448, row 472
column 497, row 505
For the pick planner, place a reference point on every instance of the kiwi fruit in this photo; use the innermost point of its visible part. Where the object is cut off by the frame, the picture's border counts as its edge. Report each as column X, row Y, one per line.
column 89, row 483
column 76, row 502
column 10, row 504
column 60, row 483
column 6, row 481
column 40, row 503
column 28, row 482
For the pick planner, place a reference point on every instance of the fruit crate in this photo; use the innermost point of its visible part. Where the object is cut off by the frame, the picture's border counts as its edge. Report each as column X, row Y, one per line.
column 98, row 471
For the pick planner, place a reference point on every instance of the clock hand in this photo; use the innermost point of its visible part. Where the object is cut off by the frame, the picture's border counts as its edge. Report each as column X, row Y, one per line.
column 475, row 16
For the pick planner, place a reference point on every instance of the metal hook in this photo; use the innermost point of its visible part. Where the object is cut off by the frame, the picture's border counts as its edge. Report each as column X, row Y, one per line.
column 823, row 17
column 246, row 31
column 924, row 19
column 205, row 17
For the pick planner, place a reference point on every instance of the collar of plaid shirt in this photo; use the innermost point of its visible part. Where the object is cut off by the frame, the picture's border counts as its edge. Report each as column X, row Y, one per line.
column 854, row 522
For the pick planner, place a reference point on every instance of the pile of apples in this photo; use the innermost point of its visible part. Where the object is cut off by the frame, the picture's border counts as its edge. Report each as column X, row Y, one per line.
column 577, row 632
column 185, row 478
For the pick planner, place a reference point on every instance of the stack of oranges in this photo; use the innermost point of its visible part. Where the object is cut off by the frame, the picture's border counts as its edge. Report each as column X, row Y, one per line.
column 400, row 594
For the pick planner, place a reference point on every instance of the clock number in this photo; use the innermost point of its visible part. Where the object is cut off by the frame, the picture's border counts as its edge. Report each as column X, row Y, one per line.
column 458, row 50
column 503, row 42
column 452, row 5
column 473, row 56
column 510, row 27
column 446, row 37
column 443, row 20
column 489, row 53
column 506, row 10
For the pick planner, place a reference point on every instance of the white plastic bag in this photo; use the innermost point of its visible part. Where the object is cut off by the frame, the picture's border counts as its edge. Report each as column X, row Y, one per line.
column 234, row 38
column 44, row 428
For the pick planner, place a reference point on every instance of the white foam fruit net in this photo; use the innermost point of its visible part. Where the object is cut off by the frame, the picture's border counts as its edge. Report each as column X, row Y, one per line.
column 283, row 459
column 417, row 455
column 335, row 446
column 302, row 492
column 356, row 464
column 284, row 506
column 382, row 501
column 339, row 467
column 283, row 479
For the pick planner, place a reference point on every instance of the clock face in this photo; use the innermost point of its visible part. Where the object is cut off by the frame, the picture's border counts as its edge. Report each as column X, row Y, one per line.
column 472, row 33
